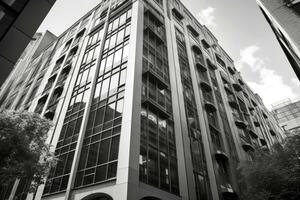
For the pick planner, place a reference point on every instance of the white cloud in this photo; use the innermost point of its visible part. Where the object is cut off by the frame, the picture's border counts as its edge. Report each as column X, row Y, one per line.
column 206, row 16
column 296, row 82
column 270, row 86
column 248, row 58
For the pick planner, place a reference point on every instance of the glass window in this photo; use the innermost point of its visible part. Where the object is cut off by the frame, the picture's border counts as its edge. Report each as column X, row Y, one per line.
column 104, row 89
column 119, row 108
column 118, row 58
column 103, row 151
column 114, row 149
column 114, row 83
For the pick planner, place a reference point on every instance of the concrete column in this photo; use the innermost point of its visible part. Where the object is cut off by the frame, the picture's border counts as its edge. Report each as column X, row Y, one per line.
column 205, row 133
column 129, row 149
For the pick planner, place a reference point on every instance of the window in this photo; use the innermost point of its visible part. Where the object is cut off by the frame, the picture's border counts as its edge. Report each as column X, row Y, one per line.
column 158, row 159
column 59, row 175
column 98, row 160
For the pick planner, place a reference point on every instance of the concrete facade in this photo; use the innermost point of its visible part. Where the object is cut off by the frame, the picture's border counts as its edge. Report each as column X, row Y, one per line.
column 145, row 105
column 287, row 113
column 284, row 18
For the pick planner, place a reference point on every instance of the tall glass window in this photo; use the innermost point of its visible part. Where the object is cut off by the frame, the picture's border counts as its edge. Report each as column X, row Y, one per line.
column 65, row 149
column 158, row 159
column 99, row 154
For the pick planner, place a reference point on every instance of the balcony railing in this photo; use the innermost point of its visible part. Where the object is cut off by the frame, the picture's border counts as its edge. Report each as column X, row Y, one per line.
column 232, row 101
column 239, row 121
column 156, row 30
column 150, row 70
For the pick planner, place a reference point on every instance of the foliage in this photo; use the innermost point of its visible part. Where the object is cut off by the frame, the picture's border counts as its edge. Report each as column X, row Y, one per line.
column 273, row 175
column 23, row 151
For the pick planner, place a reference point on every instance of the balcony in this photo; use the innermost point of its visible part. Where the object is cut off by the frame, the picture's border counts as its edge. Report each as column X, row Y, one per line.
column 204, row 76
column 265, row 115
column 263, row 141
column 238, row 121
column 155, row 107
column 221, row 155
column 59, row 89
column 156, row 31
column 209, row 106
column 157, row 18
column 251, row 108
column 252, row 133
column 228, row 193
column 79, row 37
column 211, row 65
column 205, row 44
column 196, row 49
column 227, row 87
column 177, row 13
column 50, row 112
column 199, row 59
column 231, row 71
column 256, row 123
column 247, row 147
column 201, row 66
column 193, row 30
column 232, row 102
column 205, row 86
column 254, row 103
column 241, row 82
column 237, row 87
column 272, row 132
column 149, row 71
column 67, row 69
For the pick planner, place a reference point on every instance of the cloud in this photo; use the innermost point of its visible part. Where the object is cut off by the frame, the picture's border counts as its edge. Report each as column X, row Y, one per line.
column 270, row 86
column 249, row 58
column 206, row 16
column 296, row 82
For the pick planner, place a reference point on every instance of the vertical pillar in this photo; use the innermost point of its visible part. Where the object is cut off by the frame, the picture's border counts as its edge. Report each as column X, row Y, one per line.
column 128, row 160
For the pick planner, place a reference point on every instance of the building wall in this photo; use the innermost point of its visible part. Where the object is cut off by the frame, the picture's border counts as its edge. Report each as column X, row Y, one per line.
column 19, row 21
column 283, row 17
column 145, row 103
column 288, row 116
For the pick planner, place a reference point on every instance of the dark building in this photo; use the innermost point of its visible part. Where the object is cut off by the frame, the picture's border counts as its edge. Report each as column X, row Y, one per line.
column 284, row 18
column 19, row 20
column 146, row 106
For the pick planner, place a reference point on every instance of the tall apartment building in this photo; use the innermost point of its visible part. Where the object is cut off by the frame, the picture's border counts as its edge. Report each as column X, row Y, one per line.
column 284, row 18
column 35, row 47
column 146, row 105
column 287, row 114
column 19, row 20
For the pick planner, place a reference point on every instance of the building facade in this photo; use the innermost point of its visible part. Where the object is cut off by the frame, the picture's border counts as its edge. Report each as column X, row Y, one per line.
column 287, row 114
column 19, row 20
column 145, row 105
column 284, row 18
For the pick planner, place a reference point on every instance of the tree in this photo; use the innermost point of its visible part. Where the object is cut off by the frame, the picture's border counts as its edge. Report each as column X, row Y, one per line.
column 23, row 151
column 273, row 175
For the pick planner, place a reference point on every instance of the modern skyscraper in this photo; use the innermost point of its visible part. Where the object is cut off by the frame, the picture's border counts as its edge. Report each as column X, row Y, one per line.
column 146, row 105
column 284, row 19
column 19, row 20
column 288, row 115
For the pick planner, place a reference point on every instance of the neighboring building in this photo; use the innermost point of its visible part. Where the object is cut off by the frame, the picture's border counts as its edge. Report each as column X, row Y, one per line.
column 288, row 115
column 19, row 20
column 36, row 46
column 146, row 105
column 284, row 19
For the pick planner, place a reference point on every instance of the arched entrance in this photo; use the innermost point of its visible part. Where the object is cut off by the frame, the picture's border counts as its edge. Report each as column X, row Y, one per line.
column 98, row 196
column 150, row 198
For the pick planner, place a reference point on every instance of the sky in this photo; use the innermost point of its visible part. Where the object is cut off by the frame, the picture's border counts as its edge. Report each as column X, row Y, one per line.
column 240, row 28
